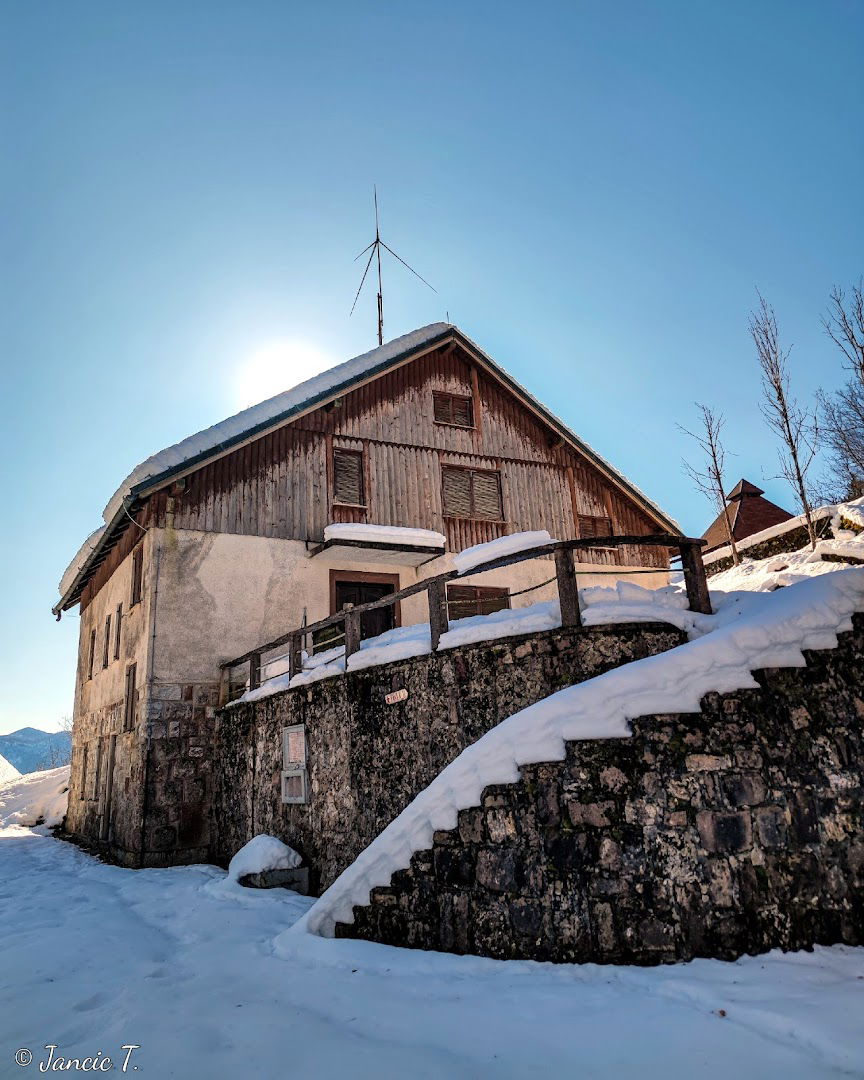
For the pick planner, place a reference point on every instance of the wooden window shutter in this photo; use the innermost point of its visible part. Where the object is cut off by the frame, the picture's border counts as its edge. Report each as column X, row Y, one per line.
column 118, row 622
column 106, row 650
column 591, row 525
column 130, row 702
column 453, row 409
column 472, row 493
column 456, row 485
column 442, row 408
column 487, row 495
column 348, row 477
column 92, row 658
column 137, row 576
column 462, row 412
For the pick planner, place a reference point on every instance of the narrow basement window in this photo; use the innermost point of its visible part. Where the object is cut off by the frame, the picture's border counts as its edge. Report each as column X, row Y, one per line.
column 295, row 787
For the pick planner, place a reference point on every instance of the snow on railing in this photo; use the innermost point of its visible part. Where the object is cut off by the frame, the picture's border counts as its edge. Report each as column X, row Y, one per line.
column 344, row 626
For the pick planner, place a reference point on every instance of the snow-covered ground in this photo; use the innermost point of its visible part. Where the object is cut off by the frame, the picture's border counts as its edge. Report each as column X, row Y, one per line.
column 206, row 983
column 37, row 799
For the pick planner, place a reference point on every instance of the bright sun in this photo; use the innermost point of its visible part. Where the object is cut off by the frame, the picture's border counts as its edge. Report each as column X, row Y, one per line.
column 276, row 367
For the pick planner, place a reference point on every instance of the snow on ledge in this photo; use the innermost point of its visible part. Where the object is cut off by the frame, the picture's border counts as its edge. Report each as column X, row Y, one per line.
column 260, row 854
column 853, row 511
column 499, row 549
column 385, row 534
column 772, row 631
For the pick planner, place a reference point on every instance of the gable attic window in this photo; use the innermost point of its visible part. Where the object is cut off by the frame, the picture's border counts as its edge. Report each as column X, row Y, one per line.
column 348, row 477
column 137, row 576
column 453, row 409
column 590, row 525
column 471, row 493
column 294, row 776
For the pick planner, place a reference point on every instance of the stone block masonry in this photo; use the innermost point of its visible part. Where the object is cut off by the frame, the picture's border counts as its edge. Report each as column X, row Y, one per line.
column 179, row 725
column 736, row 830
column 366, row 759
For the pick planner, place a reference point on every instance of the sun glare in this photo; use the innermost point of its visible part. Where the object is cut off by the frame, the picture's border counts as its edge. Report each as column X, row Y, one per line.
column 275, row 367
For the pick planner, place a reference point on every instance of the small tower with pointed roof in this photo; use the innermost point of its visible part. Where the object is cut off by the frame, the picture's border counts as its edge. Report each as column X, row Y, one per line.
column 749, row 512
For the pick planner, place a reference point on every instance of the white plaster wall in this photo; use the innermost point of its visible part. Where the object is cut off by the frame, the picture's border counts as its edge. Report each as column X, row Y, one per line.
column 221, row 594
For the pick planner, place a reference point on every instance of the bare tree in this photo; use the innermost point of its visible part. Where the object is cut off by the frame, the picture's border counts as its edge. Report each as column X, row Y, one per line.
column 843, row 411
column 844, row 324
column 797, row 428
column 709, row 479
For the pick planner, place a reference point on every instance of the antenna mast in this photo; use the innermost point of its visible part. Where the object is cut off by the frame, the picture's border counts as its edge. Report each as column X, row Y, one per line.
column 374, row 250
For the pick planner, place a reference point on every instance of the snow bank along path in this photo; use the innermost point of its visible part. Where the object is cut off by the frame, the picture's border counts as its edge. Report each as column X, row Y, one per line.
column 37, row 798
column 772, row 633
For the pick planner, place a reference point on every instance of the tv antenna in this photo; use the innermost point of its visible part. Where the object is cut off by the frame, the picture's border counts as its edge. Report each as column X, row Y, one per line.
column 374, row 250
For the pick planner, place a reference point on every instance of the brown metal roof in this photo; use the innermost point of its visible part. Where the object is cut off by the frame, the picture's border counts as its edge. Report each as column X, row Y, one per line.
column 749, row 513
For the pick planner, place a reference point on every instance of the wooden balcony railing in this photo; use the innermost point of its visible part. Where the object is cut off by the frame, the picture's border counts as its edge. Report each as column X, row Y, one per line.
column 562, row 551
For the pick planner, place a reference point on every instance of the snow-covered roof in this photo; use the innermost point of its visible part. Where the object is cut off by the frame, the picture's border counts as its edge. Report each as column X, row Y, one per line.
column 198, row 448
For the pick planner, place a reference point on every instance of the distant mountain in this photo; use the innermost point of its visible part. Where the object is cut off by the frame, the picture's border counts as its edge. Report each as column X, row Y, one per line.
column 30, row 749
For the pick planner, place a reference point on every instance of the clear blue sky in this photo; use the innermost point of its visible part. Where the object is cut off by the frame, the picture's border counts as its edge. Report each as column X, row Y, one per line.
column 595, row 190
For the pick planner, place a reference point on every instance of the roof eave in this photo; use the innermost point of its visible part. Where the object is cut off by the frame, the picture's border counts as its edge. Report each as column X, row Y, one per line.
column 73, row 594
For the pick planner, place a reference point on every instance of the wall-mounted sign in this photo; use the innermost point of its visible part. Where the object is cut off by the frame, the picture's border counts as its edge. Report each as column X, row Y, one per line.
column 396, row 696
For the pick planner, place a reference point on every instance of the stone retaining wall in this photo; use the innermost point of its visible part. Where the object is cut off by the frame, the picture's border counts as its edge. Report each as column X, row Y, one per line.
column 366, row 759
column 783, row 543
column 733, row 831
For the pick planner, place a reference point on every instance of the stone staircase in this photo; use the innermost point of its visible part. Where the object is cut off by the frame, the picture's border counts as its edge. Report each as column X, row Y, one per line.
column 733, row 830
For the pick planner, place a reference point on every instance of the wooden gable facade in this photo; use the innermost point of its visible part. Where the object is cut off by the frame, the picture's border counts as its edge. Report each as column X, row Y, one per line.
column 387, row 453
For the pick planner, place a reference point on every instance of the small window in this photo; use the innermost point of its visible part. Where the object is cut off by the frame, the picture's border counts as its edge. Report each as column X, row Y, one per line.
column 84, row 756
column 348, row 477
column 294, row 775
column 472, row 493
column 453, row 409
column 106, row 647
column 130, row 702
column 466, row 600
column 137, row 576
column 92, row 658
column 118, row 620
column 594, row 526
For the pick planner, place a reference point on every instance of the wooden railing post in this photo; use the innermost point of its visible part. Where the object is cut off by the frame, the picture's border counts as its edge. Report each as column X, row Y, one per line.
column 438, row 621
column 255, row 671
column 568, row 592
column 352, row 634
column 295, row 655
column 695, row 579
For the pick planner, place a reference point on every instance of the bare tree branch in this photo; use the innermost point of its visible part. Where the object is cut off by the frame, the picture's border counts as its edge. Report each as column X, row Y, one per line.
column 842, row 412
column 844, row 324
column 797, row 428
column 709, row 479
